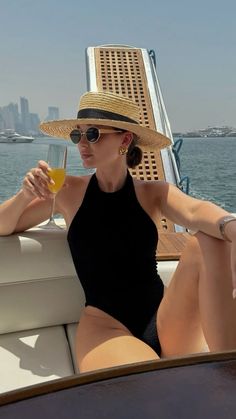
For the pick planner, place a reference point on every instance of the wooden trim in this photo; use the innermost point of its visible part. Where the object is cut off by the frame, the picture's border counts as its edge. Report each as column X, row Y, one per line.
column 171, row 245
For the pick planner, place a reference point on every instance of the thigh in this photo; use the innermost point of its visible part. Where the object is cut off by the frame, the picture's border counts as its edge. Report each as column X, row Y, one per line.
column 178, row 318
column 105, row 342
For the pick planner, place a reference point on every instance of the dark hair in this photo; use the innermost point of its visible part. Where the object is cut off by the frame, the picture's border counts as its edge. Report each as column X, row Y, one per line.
column 134, row 155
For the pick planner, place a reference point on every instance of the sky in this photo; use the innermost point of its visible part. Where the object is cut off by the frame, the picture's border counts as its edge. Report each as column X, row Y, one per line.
column 43, row 43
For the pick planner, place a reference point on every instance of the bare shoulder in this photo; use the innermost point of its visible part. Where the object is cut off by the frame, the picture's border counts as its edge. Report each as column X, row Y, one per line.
column 154, row 189
column 71, row 195
column 75, row 184
column 160, row 198
column 76, row 181
column 150, row 195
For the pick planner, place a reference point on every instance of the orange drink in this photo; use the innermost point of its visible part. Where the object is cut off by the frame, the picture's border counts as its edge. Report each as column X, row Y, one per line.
column 58, row 175
column 56, row 159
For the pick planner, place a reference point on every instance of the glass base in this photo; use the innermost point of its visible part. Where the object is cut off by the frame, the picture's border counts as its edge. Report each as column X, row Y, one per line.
column 51, row 225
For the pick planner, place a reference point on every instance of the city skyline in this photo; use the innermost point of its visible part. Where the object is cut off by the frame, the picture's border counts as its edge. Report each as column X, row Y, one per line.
column 43, row 58
column 21, row 119
column 17, row 102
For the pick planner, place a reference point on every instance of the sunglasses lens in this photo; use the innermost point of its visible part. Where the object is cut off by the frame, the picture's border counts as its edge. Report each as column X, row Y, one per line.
column 92, row 134
column 75, row 136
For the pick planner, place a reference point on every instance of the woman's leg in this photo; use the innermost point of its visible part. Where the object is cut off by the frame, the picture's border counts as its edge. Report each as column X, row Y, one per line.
column 103, row 342
column 198, row 301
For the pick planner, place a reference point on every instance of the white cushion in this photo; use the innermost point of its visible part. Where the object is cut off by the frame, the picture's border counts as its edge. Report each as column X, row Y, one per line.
column 38, row 283
column 34, row 356
column 166, row 270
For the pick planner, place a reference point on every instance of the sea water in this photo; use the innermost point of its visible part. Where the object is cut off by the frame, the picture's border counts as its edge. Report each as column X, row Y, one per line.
column 210, row 164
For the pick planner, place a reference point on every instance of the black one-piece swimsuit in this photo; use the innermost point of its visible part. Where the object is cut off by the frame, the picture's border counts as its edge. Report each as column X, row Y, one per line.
column 113, row 245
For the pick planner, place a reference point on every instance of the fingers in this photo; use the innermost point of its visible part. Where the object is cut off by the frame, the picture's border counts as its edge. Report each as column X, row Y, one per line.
column 43, row 165
column 36, row 181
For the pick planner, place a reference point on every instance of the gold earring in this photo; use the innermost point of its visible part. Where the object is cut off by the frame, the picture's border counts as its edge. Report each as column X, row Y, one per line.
column 123, row 150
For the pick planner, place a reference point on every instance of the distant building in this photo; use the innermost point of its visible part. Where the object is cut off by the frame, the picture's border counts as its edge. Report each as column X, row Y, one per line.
column 25, row 115
column 23, row 122
column 2, row 123
column 213, row 132
column 9, row 116
column 34, row 123
column 53, row 113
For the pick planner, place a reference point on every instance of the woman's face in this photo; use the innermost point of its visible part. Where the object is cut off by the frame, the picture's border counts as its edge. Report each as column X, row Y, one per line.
column 104, row 151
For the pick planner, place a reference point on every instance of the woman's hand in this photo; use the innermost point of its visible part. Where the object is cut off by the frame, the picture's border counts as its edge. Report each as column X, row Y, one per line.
column 35, row 183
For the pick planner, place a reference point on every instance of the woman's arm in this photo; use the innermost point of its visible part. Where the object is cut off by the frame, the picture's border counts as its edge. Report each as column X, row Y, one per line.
column 193, row 213
column 30, row 206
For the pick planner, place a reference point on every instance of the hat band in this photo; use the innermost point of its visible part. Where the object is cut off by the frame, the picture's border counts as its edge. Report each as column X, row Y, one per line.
column 92, row 113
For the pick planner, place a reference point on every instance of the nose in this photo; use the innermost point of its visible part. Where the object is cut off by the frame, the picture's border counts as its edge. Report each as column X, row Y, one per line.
column 83, row 143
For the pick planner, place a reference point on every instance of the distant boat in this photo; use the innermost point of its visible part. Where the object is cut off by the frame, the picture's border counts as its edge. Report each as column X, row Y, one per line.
column 10, row 136
column 231, row 134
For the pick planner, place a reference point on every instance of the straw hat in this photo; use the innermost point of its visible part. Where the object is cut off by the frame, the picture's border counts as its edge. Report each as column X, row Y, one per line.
column 107, row 109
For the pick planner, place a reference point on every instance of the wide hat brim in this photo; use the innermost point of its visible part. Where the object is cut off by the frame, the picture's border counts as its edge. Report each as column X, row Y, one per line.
column 148, row 139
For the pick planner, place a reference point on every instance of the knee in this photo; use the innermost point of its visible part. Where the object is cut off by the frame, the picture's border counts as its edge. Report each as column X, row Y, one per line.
column 212, row 253
column 192, row 251
column 207, row 243
column 201, row 246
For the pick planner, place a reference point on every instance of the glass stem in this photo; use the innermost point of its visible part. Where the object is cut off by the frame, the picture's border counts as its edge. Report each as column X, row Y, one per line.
column 51, row 219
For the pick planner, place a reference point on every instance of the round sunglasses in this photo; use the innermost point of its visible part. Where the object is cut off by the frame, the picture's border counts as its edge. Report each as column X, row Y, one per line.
column 92, row 134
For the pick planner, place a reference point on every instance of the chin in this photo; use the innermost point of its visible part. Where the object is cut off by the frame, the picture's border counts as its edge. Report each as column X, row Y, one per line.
column 86, row 165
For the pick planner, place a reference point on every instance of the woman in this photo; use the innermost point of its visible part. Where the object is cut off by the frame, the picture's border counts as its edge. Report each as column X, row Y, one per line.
column 112, row 235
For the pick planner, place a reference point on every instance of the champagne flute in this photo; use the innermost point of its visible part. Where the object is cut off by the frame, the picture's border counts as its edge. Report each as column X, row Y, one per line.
column 56, row 158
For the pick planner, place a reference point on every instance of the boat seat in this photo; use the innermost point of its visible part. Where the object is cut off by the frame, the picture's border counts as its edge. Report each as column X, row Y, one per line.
column 34, row 356
column 38, row 282
column 39, row 294
column 41, row 300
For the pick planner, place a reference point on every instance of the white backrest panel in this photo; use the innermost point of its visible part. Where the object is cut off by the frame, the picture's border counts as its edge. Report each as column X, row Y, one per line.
column 38, row 283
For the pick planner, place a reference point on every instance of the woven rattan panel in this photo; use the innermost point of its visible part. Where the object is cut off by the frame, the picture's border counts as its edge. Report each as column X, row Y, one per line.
column 121, row 70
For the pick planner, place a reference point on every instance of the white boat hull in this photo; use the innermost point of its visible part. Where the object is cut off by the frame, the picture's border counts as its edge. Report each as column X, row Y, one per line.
column 16, row 140
column 10, row 136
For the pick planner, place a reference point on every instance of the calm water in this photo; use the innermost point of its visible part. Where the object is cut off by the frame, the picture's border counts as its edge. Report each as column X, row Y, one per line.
column 210, row 164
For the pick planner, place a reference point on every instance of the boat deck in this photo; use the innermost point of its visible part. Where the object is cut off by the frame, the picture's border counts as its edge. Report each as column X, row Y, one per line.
column 171, row 245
